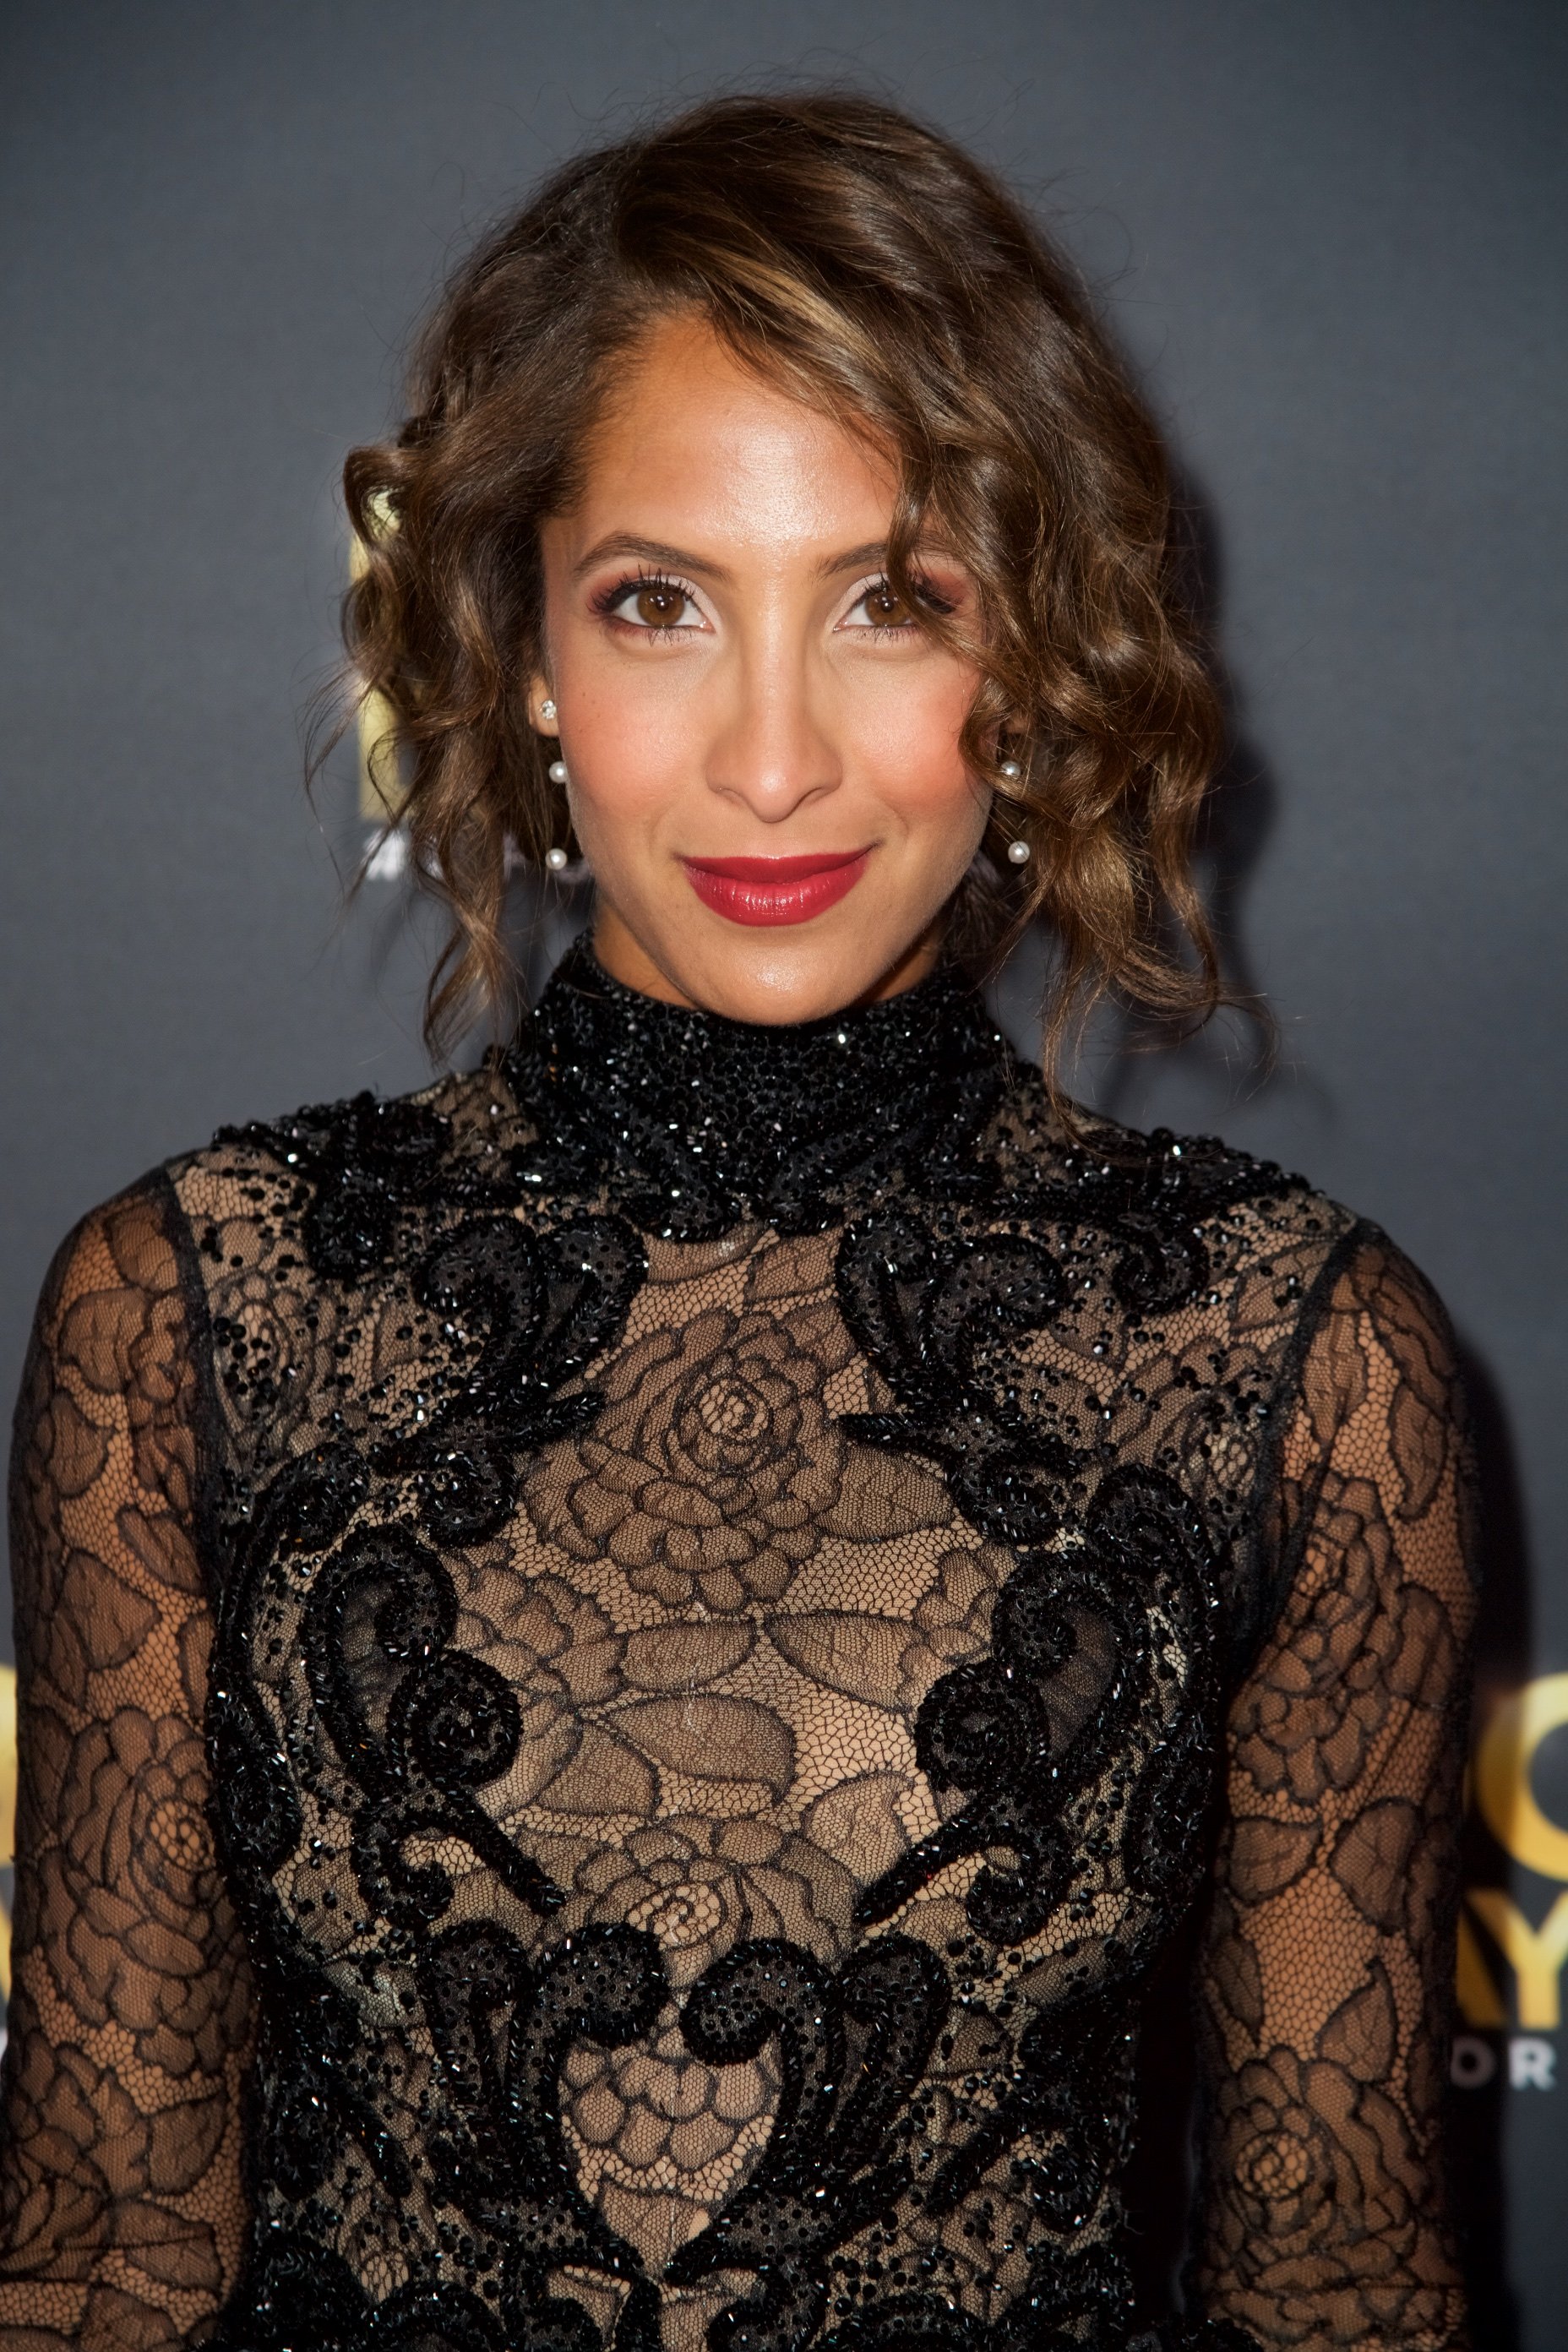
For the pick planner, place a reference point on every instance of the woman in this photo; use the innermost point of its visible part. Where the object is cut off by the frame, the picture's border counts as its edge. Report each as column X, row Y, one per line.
column 629, row 1664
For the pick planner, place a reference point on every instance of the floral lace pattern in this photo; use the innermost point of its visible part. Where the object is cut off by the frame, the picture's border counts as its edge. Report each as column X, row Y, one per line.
column 724, row 1592
column 131, row 2013
column 1327, row 2083
column 712, row 1470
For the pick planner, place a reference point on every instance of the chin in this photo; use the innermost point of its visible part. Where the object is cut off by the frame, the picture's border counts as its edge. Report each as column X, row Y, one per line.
column 774, row 985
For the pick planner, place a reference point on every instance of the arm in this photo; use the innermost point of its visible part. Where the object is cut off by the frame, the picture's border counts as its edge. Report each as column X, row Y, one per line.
column 121, row 2204
column 1326, row 1980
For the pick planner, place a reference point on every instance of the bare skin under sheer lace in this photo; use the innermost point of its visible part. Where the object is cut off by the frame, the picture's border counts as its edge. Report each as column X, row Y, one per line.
column 652, row 1645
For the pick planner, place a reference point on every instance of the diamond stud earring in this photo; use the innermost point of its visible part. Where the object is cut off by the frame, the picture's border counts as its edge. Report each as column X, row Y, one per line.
column 547, row 710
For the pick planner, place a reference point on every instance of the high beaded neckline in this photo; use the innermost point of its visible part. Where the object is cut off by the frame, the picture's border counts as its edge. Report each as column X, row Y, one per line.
column 701, row 1120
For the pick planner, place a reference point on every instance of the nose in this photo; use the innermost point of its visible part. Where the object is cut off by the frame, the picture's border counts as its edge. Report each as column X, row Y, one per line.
column 771, row 752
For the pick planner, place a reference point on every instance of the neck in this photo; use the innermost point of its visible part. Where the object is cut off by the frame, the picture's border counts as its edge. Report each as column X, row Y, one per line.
column 695, row 1121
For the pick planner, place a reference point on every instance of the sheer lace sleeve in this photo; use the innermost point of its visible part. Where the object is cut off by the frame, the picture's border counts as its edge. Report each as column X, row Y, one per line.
column 121, row 2207
column 1327, row 1977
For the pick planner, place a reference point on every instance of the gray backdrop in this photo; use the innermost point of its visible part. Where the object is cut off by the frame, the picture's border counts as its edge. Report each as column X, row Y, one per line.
column 1330, row 233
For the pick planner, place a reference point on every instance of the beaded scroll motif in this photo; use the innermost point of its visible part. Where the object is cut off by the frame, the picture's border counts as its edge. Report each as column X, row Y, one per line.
column 944, row 2117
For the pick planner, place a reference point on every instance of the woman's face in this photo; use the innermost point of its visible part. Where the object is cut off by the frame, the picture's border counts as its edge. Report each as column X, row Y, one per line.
column 762, row 739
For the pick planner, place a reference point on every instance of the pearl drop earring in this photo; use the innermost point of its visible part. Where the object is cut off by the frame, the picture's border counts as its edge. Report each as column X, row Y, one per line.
column 556, row 859
column 1018, row 851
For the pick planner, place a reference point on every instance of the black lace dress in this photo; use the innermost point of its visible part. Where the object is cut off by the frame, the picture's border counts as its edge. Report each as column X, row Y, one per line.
column 627, row 1666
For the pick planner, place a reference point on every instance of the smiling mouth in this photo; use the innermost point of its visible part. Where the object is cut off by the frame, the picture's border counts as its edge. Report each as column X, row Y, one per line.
column 774, row 889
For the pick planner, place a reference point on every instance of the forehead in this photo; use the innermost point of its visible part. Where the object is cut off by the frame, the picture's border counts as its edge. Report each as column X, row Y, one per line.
column 691, row 440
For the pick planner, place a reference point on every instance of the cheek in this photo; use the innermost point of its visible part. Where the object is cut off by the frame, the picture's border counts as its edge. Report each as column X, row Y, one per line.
column 626, row 739
column 907, row 742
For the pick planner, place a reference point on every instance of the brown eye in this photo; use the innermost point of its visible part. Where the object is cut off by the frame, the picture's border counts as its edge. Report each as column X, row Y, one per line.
column 660, row 605
column 886, row 608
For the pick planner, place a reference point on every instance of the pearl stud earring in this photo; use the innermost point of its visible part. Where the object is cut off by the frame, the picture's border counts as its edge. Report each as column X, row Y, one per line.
column 547, row 710
column 558, row 771
column 1011, row 770
column 556, row 860
column 1019, row 853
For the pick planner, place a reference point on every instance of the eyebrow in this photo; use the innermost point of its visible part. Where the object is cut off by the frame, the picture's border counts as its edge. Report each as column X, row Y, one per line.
column 647, row 550
column 679, row 559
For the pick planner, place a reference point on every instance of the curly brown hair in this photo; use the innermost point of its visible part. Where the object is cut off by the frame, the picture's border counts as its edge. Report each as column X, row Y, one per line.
column 878, row 273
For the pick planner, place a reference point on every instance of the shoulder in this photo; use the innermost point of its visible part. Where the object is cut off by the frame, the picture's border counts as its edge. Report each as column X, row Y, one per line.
column 298, row 1244
column 118, row 1264
column 1186, row 1217
column 110, row 1363
column 321, row 1189
column 338, row 1177
column 332, row 1175
column 1190, row 1225
column 1381, row 1377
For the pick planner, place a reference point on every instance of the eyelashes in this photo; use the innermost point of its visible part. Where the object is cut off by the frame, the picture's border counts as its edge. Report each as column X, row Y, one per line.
column 662, row 600
column 653, row 587
column 926, row 600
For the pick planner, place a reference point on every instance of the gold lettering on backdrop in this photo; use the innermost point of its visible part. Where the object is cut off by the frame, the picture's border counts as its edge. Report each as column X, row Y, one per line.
column 1504, row 1755
column 1480, row 2003
column 1534, row 1954
column 380, row 785
column 1511, row 1739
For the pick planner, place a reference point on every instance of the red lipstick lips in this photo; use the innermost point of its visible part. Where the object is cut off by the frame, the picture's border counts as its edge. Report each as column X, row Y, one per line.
column 774, row 889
